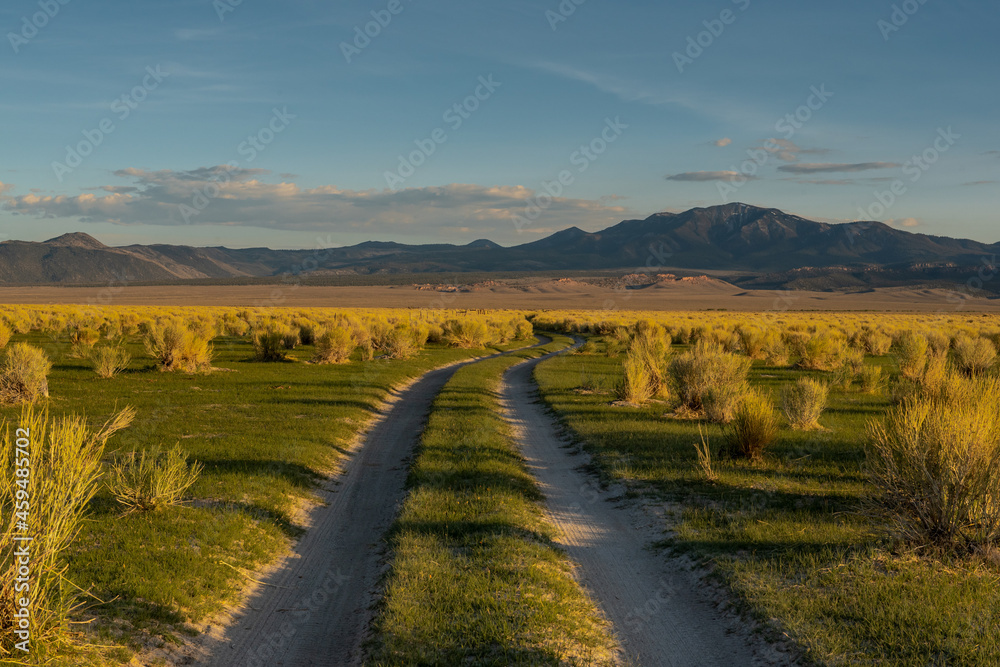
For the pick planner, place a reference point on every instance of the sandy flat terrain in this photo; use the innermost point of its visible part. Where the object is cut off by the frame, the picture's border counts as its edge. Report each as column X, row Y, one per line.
column 548, row 294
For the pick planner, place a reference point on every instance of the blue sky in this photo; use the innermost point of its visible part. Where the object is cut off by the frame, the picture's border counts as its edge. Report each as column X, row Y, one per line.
column 262, row 123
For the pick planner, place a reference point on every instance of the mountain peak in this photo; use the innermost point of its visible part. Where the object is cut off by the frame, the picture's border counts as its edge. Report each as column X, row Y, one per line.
column 483, row 243
column 76, row 240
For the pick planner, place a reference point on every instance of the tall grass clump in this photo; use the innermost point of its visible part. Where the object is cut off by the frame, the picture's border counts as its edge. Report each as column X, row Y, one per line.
column 935, row 462
column 707, row 374
column 177, row 348
column 334, row 346
column 645, row 368
column 148, row 480
column 24, row 374
column 753, row 428
column 804, row 402
column 65, row 468
column 974, row 355
column 109, row 360
column 636, row 385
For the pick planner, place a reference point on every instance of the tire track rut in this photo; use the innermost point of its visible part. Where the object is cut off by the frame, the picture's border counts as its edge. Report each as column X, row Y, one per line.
column 652, row 602
column 316, row 607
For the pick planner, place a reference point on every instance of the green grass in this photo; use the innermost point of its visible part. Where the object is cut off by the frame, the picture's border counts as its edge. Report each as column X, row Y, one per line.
column 475, row 578
column 266, row 434
column 785, row 534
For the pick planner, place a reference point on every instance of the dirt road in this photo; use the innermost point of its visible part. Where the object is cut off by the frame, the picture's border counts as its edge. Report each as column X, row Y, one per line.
column 654, row 605
column 315, row 609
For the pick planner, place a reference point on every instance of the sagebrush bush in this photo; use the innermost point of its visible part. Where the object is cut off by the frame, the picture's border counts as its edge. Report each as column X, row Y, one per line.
column 938, row 342
column 148, row 480
column 912, row 355
column 751, row 341
column 307, row 334
column 974, row 355
column 523, row 330
column 852, row 366
column 823, row 352
column 401, row 341
column 872, row 379
column 24, row 374
column 334, row 346
column 290, row 339
column 720, row 402
column 109, row 360
column 5, row 334
column 754, row 426
column 803, row 403
column 65, row 464
column 467, row 334
column 268, row 345
column 935, row 462
column 176, row 348
column 82, row 341
column 707, row 368
column 617, row 342
column 775, row 349
column 875, row 342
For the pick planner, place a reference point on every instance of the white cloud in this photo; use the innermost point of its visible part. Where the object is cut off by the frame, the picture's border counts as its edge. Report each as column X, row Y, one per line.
column 222, row 195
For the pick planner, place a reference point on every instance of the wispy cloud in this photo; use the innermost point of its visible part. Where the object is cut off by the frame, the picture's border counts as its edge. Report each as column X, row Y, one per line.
column 705, row 103
column 728, row 176
column 980, row 182
column 830, row 167
column 723, row 142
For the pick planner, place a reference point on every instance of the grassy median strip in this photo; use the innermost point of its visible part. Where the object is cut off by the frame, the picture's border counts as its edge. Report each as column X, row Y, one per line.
column 784, row 533
column 265, row 434
column 475, row 578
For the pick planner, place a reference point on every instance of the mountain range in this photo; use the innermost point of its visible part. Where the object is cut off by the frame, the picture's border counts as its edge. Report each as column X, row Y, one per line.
column 749, row 245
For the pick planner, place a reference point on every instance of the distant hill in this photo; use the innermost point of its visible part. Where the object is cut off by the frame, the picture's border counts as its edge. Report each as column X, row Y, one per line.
column 761, row 247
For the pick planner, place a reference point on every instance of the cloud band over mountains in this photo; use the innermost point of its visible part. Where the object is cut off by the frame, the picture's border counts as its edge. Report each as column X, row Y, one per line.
column 226, row 195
